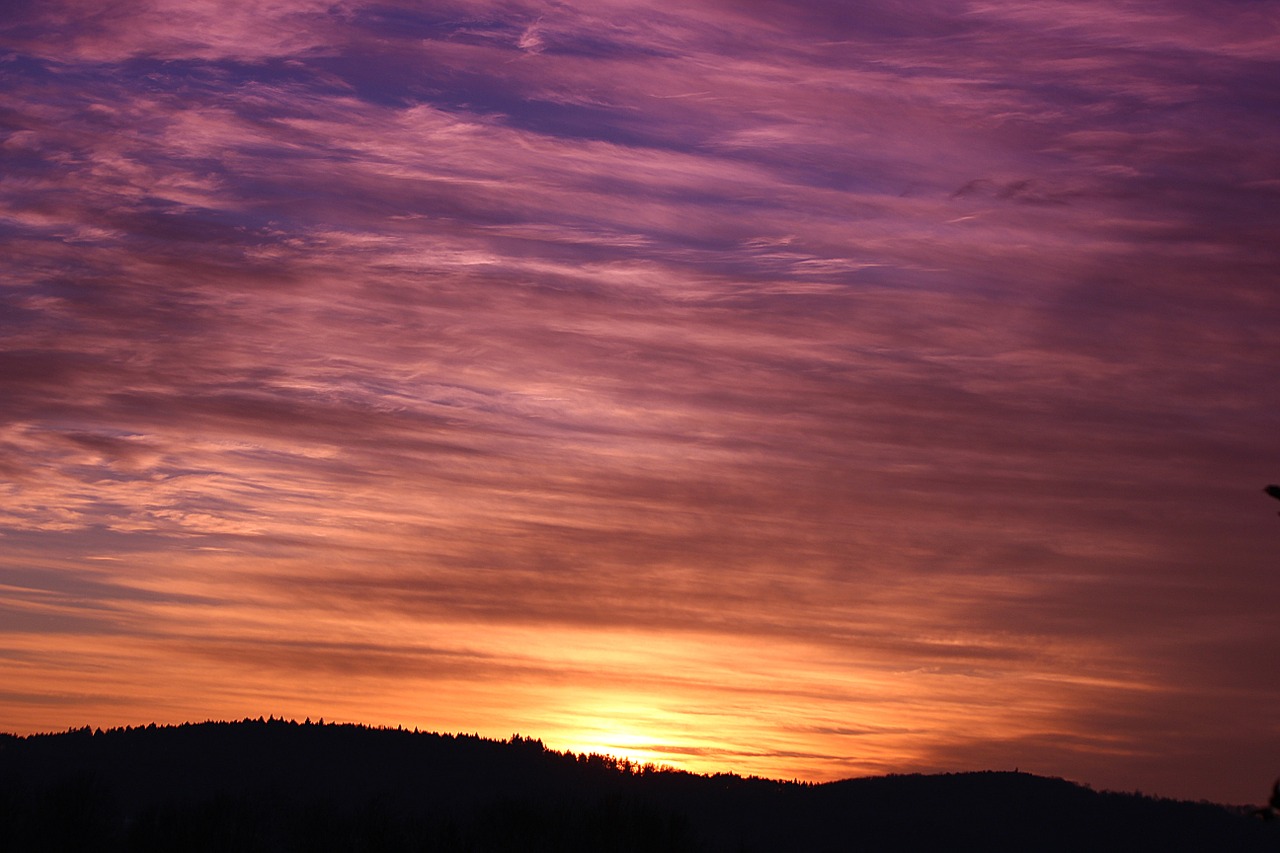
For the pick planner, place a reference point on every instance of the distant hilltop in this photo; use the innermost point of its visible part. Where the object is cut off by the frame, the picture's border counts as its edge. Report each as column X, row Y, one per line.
column 277, row 785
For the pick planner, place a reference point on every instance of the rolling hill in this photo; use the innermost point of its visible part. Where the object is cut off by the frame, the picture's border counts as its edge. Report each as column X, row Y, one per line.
column 275, row 785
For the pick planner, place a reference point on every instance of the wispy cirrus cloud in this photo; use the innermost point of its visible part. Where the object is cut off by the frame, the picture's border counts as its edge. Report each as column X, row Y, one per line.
column 881, row 386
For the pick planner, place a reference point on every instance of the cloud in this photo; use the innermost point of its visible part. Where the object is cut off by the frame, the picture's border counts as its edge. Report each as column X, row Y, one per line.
column 888, row 377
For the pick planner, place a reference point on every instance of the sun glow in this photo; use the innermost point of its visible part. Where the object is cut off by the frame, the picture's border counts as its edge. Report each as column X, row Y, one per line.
column 626, row 729
column 622, row 744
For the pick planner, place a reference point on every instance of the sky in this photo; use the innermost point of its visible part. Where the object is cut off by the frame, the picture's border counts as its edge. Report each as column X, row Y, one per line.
column 803, row 389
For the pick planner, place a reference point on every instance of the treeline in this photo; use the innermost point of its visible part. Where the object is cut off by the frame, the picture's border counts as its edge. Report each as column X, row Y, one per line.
column 279, row 785
column 72, row 736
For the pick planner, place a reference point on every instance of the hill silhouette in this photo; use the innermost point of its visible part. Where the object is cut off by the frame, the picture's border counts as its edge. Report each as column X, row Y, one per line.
column 276, row 785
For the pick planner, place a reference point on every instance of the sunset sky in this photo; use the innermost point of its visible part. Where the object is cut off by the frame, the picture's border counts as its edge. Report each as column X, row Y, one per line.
column 804, row 389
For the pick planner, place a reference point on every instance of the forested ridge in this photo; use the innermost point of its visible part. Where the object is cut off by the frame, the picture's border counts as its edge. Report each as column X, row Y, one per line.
column 279, row 785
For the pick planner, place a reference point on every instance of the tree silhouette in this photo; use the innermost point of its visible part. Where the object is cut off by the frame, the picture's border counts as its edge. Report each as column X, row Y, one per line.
column 1272, row 809
column 278, row 785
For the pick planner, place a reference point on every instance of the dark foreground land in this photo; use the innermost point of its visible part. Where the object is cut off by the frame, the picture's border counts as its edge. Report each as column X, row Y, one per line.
column 283, row 786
